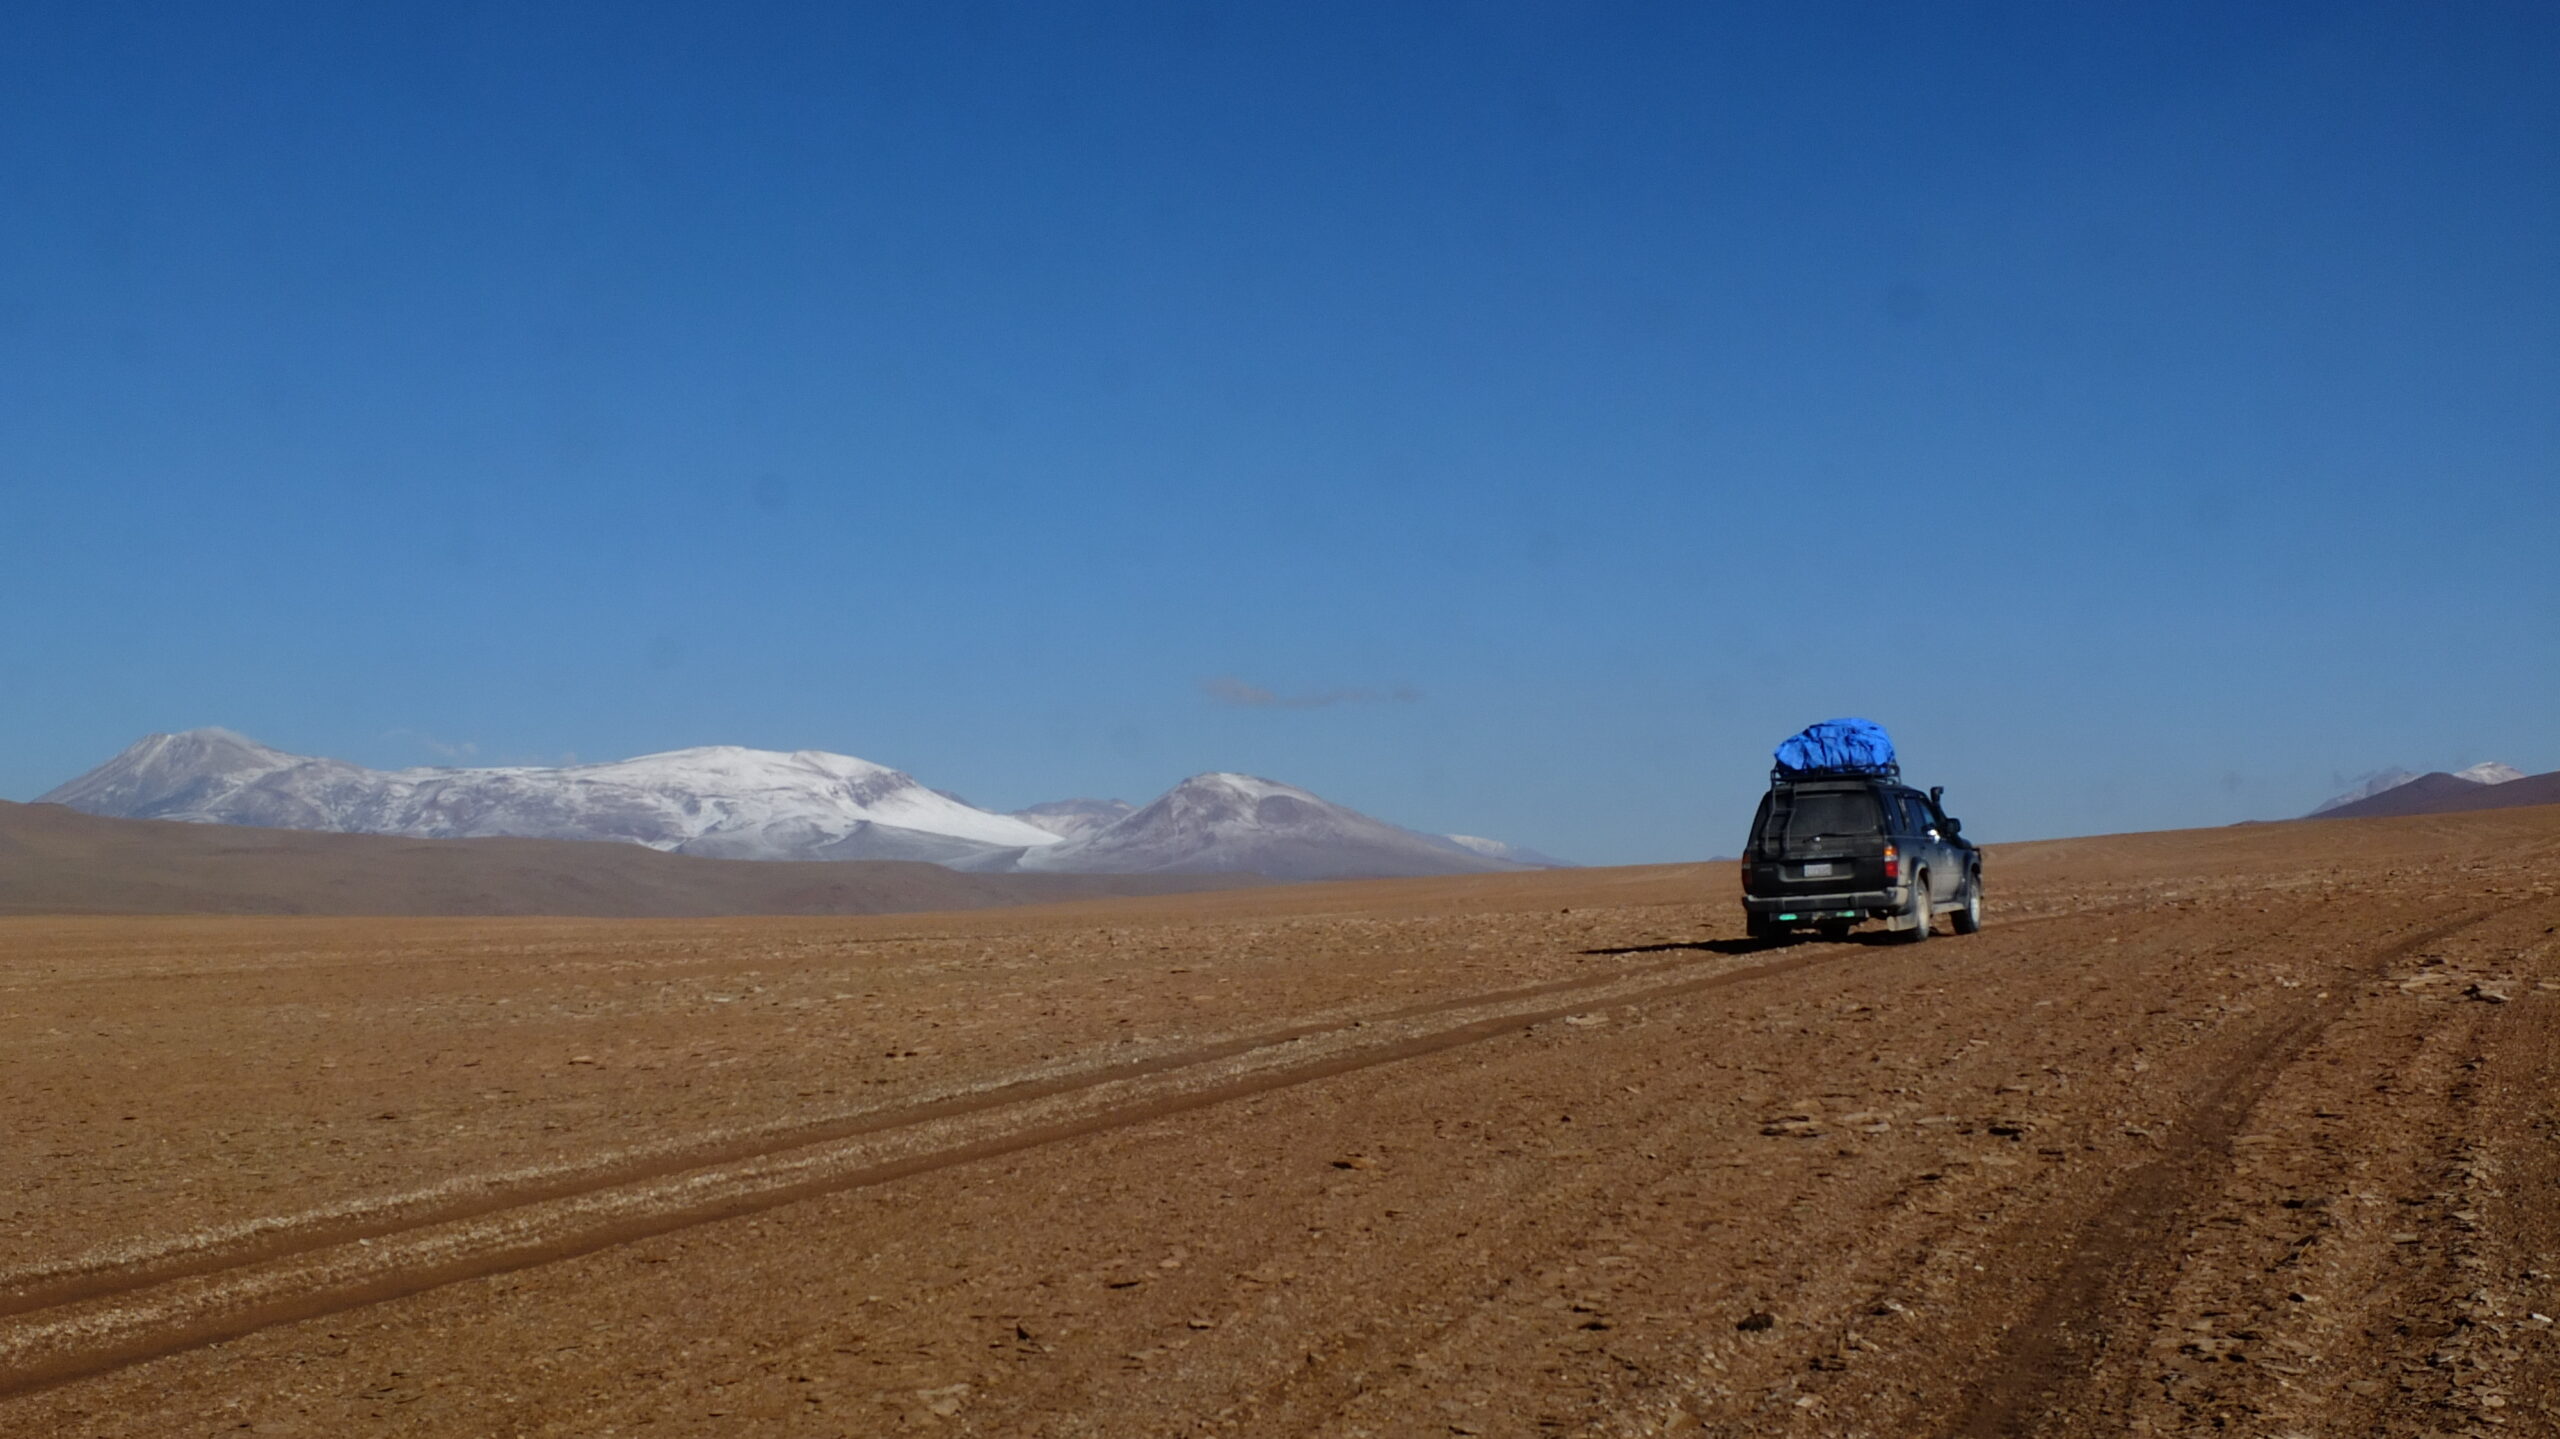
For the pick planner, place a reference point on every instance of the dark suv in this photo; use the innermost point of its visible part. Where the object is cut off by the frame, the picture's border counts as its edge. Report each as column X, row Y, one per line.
column 1827, row 851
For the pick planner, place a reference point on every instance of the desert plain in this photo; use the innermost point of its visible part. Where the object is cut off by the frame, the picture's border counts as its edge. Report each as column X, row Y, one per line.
column 2250, row 1131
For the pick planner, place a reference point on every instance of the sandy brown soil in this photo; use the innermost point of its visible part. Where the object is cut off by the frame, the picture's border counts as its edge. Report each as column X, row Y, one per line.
column 2253, row 1131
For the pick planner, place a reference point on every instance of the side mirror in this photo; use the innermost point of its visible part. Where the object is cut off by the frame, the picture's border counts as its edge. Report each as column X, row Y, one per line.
column 1955, row 827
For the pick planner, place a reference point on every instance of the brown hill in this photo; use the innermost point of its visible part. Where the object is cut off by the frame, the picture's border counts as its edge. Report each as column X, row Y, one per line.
column 2441, row 793
column 59, row 861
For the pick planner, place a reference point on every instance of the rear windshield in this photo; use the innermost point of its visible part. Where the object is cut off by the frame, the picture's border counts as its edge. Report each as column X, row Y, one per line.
column 1835, row 812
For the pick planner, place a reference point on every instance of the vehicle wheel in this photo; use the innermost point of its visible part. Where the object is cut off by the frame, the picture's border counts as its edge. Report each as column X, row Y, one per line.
column 1921, row 914
column 1968, row 912
column 1764, row 931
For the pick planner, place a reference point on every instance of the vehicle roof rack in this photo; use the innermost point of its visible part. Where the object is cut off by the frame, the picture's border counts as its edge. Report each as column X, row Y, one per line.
column 1780, row 774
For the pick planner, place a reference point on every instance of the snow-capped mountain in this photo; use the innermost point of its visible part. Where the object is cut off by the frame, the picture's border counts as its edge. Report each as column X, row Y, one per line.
column 2387, row 780
column 1234, row 823
column 719, row 801
column 731, row 803
column 1076, row 818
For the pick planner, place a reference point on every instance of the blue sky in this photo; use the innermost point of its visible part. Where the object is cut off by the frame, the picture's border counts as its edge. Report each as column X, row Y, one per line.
column 2150, row 413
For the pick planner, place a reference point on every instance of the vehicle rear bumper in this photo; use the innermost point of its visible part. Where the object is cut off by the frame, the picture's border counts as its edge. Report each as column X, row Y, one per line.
column 1853, row 904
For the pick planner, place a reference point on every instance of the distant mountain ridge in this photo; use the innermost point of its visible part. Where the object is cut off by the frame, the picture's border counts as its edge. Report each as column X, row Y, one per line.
column 1243, row 824
column 732, row 803
column 1076, row 818
column 1516, row 853
column 2483, row 786
column 2384, row 781
column 2381, row 781
column 719, row 802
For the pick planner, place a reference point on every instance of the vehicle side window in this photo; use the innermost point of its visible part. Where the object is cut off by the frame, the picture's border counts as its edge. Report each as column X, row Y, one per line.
column 1906, row 821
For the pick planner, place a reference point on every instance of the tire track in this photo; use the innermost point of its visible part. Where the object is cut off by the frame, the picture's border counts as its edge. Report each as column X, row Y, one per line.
column 37, row 1287
column 2108, row 1280
column 105, row 1318
column 72, row 1280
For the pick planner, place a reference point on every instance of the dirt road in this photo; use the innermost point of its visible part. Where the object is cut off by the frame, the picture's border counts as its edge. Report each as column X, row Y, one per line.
column 2251, row 1131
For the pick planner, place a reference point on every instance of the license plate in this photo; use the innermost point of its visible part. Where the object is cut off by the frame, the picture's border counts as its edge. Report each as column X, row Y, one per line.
column 1817, row 871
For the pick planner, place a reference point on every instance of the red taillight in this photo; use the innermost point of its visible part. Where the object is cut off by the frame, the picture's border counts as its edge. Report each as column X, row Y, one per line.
column 1892, row 865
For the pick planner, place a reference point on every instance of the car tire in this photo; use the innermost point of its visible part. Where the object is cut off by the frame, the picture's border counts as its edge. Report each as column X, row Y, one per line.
column 1920, row 915
column 1968, row 911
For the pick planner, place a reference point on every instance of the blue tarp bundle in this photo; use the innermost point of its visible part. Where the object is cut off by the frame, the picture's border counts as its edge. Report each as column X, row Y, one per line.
column 1853, row 745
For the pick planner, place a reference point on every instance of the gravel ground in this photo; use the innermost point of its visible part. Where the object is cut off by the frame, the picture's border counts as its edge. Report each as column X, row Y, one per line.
column 2248, row 1131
